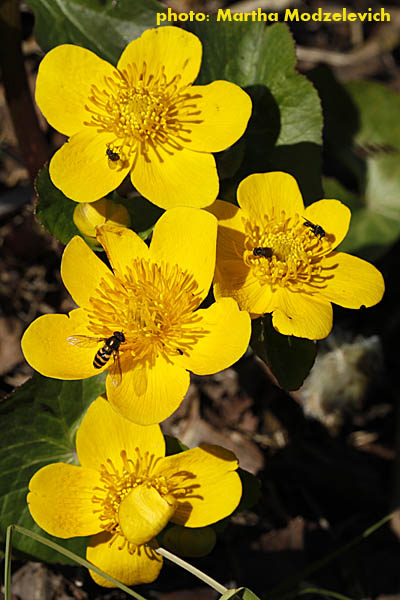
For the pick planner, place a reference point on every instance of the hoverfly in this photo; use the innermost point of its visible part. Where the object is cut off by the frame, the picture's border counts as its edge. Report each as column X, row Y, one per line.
column 316, row 229
column 110, row 348
column 114, row 156
column 265, row 252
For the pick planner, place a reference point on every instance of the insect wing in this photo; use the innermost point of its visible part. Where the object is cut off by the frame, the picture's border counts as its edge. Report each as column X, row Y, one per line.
column 115, row 370
column 84, row 341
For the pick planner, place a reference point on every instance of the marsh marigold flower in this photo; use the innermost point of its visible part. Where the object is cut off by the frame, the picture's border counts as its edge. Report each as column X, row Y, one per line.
column 143, row 117
column 275, row 256
column 151, row 297
column 126, row 491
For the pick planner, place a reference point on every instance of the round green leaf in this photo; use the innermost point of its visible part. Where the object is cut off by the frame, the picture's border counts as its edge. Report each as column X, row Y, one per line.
column 103, row 26
column 285, row 129
column 54, row 210
column 38, row 423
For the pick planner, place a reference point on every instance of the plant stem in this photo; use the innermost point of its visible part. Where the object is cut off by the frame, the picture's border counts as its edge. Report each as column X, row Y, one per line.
column 196, row 572
column 33, row 146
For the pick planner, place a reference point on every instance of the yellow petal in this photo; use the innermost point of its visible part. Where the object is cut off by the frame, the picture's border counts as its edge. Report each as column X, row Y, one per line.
column 82, row 271
column 229, row 216
column 148, row 394
column 264, row 193
column 81, row 168
column 103, row 433
column 225, row 341
column 47, row 350
column 143, row 513
column 232, row 277
column 187, row 237
column 172, row 49
column 333, row 216
column 354, row 282
column 248, row 292
column 208, row 474
column 169, row 177
column 60, row 500
column 122, row 246
column 142, row 566
column 224, row 113
column 301, row 315
column 63, row 85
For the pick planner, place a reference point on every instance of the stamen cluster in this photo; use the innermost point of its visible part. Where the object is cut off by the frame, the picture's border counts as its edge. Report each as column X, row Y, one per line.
column 154, row 305
column 295, row 251
column 142, row 109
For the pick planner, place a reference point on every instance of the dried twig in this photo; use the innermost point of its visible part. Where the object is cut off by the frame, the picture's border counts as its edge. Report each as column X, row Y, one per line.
column 384, row 40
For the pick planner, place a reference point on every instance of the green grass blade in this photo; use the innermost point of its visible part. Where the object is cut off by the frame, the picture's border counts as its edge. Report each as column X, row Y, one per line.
column 7, row 563
column 53, row 546
column 322, row 592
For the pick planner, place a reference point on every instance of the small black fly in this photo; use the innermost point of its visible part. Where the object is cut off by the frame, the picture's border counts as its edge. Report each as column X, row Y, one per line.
column 114, row 156
column 316, row 229
column 265, row 252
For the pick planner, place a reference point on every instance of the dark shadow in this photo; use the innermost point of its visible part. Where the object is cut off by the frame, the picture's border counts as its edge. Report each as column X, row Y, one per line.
column 250, row 154
column 341, row 124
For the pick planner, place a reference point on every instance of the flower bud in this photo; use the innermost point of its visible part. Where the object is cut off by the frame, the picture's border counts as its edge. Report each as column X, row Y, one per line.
column 189, row 541
column 87, row 215
column 143, row 513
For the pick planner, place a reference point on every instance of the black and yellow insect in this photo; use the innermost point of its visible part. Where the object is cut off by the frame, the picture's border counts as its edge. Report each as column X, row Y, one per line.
column 110, row 348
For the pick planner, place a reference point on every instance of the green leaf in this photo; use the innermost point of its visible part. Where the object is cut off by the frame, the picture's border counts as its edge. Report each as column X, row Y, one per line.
column 362, row 131
column 38, row 423
column 174, row 446
column 54, row 210
column 242, row 593
column 285, row 129
column 289, row 358
column 143, row 213
column 103, row 26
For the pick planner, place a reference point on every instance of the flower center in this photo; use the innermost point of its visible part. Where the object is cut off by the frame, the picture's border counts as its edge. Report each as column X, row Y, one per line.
column 153, row 306
column 286, row 251
column 118, row 481
column 142, row 110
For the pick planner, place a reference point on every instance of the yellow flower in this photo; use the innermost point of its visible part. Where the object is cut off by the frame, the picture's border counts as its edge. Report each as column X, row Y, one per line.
column 151, row 298
column 143, row 117
column 126, row 491
column 275, row 256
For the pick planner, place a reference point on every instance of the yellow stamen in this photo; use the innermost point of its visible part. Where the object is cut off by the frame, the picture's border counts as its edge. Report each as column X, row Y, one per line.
column 295, row 252
column 153, row 306
column 143, row 110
